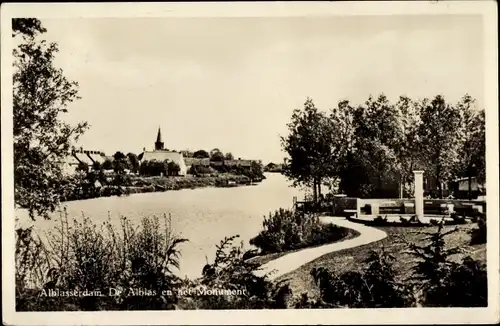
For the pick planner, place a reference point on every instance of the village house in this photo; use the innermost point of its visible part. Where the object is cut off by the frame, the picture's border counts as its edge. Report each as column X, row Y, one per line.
column 79, row 156
column 161, row 154
column 191, row 161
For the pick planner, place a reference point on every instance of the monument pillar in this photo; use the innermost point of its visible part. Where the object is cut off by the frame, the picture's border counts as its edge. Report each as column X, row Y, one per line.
column 419, row 193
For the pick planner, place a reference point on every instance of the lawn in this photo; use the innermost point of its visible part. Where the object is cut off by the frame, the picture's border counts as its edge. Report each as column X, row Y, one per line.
column 352, row 259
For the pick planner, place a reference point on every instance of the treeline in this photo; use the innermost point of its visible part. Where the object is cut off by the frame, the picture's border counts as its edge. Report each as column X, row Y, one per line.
column 155, row 168
column 371, row 150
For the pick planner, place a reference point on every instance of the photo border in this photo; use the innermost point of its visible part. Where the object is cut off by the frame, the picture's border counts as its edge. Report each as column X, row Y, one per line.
column 256, row 9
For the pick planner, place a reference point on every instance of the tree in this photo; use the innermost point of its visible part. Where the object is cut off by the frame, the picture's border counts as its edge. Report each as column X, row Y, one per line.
column 229, row 156
column 134, row 162
column 201, row 154
column 27, row 27
column 120, row 162
column 441, row 133
column 173, row 168
column 472, row 151
column 215, row 150
column 96, row 166
column 41, row 93
column 107, row 165
column 83, row 167
column 376, row 138
column 408, row 144
column 342, row 141
column 309, row 147
column 217, row 157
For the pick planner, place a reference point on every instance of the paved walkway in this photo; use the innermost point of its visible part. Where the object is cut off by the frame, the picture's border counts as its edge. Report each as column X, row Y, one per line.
column 292, row 261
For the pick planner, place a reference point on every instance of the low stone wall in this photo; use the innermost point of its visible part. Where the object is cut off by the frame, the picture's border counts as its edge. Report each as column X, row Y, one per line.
column 342, row 204
column 407, row 206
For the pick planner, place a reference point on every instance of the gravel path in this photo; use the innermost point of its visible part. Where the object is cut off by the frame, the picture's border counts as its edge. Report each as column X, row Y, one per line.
column 292, row 261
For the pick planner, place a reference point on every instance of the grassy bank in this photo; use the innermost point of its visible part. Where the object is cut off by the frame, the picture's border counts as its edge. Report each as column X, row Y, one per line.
column 353, row 259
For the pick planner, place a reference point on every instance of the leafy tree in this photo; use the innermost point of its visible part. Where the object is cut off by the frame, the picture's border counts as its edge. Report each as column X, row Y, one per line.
column 408, row 145
column 107, row 165
column 215, row 150
column 173, row 168
column 376, row 137
column 201, row 154
column 217, row 157
column 27, row 27
column 96, row 166
column 440, row 132
column 229, row 156
column 472, row 151
column 41, row 93
column 309, row 145
column 120, row 162
column 134, row 162
column 83, row 167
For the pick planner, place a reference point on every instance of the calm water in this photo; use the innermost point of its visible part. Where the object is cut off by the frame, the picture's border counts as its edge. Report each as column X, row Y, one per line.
column 204, row 216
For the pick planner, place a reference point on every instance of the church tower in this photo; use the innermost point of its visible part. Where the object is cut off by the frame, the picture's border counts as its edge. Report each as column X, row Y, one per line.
column 159, row 142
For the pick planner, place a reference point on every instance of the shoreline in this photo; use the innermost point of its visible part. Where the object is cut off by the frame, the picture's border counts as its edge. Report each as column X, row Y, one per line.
column 163, row 184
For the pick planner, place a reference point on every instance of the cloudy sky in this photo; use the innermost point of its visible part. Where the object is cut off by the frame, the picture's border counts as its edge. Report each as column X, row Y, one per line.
column 232, row 83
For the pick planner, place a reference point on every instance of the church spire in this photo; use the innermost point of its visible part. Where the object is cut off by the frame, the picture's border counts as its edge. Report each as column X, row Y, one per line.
column 159, row 142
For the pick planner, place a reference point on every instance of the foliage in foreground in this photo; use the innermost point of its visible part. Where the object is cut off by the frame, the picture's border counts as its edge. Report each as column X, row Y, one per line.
column 84, row 256
column 288, row 230
column 436, row 280
column 41, row 94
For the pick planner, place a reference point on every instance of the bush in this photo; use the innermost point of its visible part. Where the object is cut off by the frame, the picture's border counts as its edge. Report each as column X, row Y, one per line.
column 443, row 282
column 379, row 220
column 231, row 271
column 287, row 230
column 435, row 280
column 478, row 235
column 373, row 287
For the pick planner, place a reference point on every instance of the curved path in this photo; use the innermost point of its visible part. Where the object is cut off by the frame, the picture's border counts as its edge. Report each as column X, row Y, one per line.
column 292, row 261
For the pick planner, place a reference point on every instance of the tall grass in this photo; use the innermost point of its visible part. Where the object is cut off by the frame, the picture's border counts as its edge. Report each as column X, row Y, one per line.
column 83, row 256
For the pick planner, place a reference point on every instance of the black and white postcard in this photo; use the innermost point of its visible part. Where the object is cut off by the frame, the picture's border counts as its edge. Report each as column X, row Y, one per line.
column 250, row 163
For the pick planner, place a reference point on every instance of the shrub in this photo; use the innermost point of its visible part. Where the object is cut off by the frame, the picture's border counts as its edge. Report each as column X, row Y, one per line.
column 287, row 230
column 443, row 282
column 373, row 287
column 478, row 235
column 379, row 220
column 231, row 271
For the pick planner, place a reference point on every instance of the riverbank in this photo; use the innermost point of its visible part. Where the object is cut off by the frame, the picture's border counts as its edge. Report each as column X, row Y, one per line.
column 137, row 184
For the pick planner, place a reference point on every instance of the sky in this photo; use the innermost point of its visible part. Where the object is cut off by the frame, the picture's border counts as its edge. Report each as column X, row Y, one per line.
column 232, row 83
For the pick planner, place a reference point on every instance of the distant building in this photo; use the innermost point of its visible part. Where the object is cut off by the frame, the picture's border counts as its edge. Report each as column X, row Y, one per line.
column 79, row 156
column 191, row 161
column 160, row 154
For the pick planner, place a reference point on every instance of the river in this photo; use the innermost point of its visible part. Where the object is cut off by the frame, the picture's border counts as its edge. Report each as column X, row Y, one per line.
column 204, row 216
